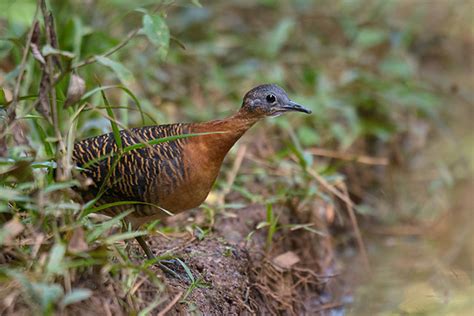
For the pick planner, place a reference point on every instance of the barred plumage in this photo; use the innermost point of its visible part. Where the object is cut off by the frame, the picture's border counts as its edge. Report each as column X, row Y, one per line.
column 136, row 171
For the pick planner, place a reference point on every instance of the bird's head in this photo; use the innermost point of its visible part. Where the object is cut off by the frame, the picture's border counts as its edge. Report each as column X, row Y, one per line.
column 269, row 100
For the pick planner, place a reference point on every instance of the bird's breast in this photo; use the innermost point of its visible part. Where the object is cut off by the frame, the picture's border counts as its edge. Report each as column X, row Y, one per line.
column 200, row 160
column 201, row 169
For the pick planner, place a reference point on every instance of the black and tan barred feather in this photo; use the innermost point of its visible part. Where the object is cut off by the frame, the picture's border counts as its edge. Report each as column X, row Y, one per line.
column 136, row 171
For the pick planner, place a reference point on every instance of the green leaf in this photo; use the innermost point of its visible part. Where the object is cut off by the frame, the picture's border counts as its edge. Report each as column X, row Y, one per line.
column 397, row 66
column 196, row 3
column 262, row 225
column 308, row 136
column 47, row 294
column 55, row 263
column 104, row 226
column 76, row 295
column 3, row 98
column 109, row 205
column 18, row 12
column 126, row 90
column 187, row 270
column 124, row 75
column 157, row 31
column 8, row 194
column 49, row 50
column 278, row 37
column 60, row 186
column 113, row 121
column 48, row 148
column 369, row 37
column 128, row 235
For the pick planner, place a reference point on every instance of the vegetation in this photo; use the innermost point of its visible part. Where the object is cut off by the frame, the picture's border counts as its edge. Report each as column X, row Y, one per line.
column 74, row 69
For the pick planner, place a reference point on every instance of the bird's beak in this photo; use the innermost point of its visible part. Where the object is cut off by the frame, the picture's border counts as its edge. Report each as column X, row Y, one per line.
column 293, row 106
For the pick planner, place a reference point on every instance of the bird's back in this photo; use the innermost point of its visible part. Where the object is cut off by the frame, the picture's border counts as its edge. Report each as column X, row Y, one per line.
column 131, row 177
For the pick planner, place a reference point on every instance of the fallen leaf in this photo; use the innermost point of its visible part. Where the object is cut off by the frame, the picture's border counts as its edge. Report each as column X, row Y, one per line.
column 286, row 260
column 42, row 104
column 10, row 230
column 78, row 242
column 75, row 90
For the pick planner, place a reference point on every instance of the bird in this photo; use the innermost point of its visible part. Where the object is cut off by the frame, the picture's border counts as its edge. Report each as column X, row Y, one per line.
column 172, row 176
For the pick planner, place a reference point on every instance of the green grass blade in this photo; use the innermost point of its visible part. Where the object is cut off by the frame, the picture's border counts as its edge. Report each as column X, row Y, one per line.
column 119, row 203
column 113, row 121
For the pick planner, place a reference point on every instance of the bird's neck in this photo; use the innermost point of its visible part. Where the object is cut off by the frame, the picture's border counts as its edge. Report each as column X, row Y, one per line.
column 227, row 132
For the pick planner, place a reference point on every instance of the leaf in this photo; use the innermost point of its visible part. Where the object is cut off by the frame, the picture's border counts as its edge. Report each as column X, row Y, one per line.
column 308, row 136
column 21, row 170
column 126, row 90
column 286, row 260
column 278, row 37
column 42, row 104
column 77, row 243
column 187, row 270
column 158, row 33
column 49, row 50
column 75, row 90
column 3, row 98
column 60, row 186
column 113, row 121
column 35, row 43
column 47, row 294
column 55, row 263
column 124, row 75
column 76, row 295
column 369, row 37
column 10, row 230
column 196, row 3
column 397, row 66
column 128, row 235
column 37, row 54
column 104, row 226
column 8, row 194
column 112, row 204
column 18, row 12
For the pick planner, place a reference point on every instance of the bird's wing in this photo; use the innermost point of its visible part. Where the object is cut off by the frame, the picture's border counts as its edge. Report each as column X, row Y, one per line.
column 131, row 177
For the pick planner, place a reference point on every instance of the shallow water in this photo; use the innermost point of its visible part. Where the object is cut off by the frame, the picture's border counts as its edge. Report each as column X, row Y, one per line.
column 422, row 264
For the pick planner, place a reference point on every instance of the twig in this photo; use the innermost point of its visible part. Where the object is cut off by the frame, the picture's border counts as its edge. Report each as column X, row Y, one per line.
column 93, row 59
column 10, row 111
column 62, row 165
column 16, row 91
column 330, row 188
column 170, row 305
column 355, row 226
column 350, row 205
column 382, row 161
column 233, row 172
column 329, row 306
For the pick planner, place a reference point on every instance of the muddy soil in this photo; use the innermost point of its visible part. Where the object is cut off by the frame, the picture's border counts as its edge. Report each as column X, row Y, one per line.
column 235, row 273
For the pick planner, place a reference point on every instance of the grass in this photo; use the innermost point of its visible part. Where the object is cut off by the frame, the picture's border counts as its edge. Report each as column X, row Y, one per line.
column 352, row 63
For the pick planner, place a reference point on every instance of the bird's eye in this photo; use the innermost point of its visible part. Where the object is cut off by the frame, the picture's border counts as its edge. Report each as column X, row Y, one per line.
column 271, row 98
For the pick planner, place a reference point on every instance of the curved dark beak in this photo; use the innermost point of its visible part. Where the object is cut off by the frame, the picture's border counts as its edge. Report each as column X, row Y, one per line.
column 293, row 106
